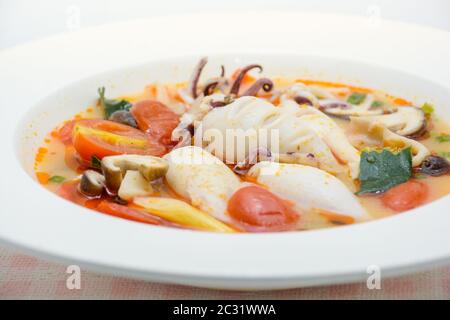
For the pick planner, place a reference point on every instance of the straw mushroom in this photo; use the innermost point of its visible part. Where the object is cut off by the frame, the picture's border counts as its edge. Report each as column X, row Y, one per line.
column 368, row 132
column 406, row 121
column 92, row 183
column 134, row 185
column 115, row 167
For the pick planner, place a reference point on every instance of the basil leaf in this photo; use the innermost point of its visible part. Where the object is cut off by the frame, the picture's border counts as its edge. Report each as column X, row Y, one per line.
column 376, row 104
column 443, row 138
column 96, row 162
column 380, row 171
column 56, row 179
column 427, row 108
column 112, row 105
column 356, row 98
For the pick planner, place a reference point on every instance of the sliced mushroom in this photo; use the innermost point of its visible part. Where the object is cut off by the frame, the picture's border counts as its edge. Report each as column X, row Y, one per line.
column 406, row 121
column 92, row 183
column 115, row 167
column 372, row 133
column 134, row 185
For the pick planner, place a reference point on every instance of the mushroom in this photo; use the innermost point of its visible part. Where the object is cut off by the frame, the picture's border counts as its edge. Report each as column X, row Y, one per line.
column 115, row 167
column 406, row 121
column 368, row 132
column 434, row 166
column 92, row 183
column 134, row 185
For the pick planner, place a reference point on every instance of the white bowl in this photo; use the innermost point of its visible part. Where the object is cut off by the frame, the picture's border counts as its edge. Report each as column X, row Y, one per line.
column 46, row 82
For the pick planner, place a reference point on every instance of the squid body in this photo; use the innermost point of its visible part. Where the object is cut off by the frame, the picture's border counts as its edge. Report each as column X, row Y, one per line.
column 207, row 183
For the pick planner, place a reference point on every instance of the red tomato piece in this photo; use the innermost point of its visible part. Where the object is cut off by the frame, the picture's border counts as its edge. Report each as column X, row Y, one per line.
column 156, row 119
column 405, row 196
column 125, row 212
column 69, row 191
column 65, row 133
column 261, row 210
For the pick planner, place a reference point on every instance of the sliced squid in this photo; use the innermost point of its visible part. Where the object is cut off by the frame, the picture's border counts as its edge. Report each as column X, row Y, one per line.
column 202, row 179
column 311, row 189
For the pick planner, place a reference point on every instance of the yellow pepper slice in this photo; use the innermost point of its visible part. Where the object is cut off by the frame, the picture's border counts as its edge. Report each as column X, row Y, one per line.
column 182, row 213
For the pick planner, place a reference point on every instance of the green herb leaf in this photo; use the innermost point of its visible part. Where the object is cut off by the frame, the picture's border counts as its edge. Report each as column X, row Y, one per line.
column 56, row 179
column 356, row 98
column 443, row 138
column 96, row 162
column 111, row 105
column 380, row 171
column 427, row 108
column 376, row 104
column 445, row 154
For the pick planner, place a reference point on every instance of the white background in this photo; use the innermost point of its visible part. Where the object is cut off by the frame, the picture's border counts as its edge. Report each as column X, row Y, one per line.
column 25, row 20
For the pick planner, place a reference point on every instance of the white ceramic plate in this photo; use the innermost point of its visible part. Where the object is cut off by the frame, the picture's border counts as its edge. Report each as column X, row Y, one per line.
column 45, row 82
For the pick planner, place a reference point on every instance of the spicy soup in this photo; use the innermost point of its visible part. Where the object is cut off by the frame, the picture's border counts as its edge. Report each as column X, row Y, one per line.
column 346, row 154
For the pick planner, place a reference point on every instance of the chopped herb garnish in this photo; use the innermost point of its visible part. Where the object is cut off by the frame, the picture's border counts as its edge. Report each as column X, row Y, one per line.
column 376, row 104
column 56, row 179
column 445, row 154
column 96, row 162
column 112, row 105
column 380, row 171
column 356, row 98
column 427, row 108
column 443, row 138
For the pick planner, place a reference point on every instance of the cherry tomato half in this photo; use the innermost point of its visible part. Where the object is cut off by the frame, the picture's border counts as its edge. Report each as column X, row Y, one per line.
column 405, row 196
column 261, row 210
